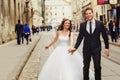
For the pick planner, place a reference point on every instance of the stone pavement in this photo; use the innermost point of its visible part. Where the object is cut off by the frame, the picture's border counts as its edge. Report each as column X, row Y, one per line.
column 13, row 57
column 110, row 65
column 12, row 63
column 38, row 58
column 110, row 70
column 115, row 43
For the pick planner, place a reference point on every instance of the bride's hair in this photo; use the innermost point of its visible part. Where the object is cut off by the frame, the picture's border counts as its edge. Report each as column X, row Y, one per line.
column 61, row 27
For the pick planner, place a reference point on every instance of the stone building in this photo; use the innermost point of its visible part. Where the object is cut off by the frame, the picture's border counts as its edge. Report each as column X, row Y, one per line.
column 104, row 12
column 55, row 11
column 37, row 12
column 11, row 11
column 76, row 13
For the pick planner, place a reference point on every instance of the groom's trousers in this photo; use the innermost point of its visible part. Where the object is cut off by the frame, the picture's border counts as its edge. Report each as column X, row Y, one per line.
column 96, row 56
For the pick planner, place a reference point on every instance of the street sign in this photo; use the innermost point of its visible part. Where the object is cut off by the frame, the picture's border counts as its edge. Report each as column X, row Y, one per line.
column 102, row 2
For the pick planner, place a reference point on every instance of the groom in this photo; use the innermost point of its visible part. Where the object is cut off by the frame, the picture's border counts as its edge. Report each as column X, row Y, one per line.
column 90, row 30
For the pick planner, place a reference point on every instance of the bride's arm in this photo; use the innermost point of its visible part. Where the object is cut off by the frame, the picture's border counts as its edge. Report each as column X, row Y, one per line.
column 71, row 50
column 54, row 40
column 71, row 40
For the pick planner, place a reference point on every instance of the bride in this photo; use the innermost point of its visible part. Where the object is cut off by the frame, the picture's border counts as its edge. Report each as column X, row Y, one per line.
column 61, row 65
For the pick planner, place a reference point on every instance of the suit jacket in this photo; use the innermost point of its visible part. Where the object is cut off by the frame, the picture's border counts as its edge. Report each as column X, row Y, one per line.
column 18, row 28
column 92, row 42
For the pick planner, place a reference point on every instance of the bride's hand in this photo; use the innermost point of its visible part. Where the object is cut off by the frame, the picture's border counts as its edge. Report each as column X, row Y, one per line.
column 46, row 47
column 71, row 50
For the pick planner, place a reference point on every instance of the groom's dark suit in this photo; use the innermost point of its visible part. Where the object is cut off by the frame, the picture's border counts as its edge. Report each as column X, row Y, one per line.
column 92, row 47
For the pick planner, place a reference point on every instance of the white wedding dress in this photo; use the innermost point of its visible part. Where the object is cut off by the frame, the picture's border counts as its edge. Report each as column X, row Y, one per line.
column 63, row 66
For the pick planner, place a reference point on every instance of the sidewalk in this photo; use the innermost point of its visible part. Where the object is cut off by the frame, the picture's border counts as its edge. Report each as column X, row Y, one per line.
column 13, row 58
column 110, row 70
column 115, row 43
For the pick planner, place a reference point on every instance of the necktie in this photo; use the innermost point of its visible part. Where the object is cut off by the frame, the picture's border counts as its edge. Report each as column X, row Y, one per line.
column 90, row 27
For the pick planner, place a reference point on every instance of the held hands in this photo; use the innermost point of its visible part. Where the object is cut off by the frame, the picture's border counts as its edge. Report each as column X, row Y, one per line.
column 46, row 47
column 107, row 52
column 71, row 50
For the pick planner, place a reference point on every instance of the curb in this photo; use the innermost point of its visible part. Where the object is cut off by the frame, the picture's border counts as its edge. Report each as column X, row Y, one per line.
column 114, row 44
column 18, row 69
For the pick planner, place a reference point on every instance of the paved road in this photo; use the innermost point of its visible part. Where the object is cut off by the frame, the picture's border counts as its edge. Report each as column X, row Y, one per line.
column 110, row 69
column 111, row 64
column 13, row 58
column 37, row 59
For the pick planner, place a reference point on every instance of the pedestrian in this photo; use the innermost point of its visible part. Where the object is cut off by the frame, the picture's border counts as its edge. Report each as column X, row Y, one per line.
column 37, row 30
column 90, row 30
column 18, row 31
column 119, row 30
column 27, row 33
column 113, row 31
column 23, row 33
column 33, row 29
column 110, row 26
column 61, row 65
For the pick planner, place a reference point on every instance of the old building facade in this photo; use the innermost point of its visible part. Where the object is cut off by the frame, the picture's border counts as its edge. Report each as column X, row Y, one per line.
column 76, row 13
column 103, row 12
column 11, row 11
column 55, row 11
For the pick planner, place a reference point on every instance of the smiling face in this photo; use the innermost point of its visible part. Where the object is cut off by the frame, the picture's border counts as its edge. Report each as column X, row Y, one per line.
column 67, row 24
column 89, row 15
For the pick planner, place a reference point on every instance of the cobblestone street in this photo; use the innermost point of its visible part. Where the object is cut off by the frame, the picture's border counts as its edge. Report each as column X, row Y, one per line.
column 37, row 59
column 28, row 26
column 39, row 56
column 24, row 62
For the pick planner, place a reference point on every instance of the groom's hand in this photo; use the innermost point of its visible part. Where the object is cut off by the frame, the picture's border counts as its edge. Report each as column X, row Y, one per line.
column 107, row 52
column 71, row 50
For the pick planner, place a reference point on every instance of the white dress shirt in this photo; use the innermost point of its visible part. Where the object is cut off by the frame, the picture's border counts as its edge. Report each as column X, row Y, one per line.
column 88, row 25
column 114, row 28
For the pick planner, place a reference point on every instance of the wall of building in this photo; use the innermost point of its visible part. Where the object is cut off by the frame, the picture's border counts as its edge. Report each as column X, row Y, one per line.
column 8, row 15
column 10, row 12
column 76, row 14
column 55, row 11
column 37, row 12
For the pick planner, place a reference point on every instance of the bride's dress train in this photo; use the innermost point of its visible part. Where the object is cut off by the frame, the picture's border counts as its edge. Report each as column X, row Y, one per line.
column 63, row 66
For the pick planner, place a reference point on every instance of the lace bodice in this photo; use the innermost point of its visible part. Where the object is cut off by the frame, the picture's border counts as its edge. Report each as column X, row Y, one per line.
column 63, row 40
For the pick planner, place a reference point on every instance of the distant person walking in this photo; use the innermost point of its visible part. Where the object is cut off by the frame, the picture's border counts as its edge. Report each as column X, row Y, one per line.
column 113, row 30
column 33, row 29
column 18, row 31
column 23, row 33
column 27, row 33
column 110, row 26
